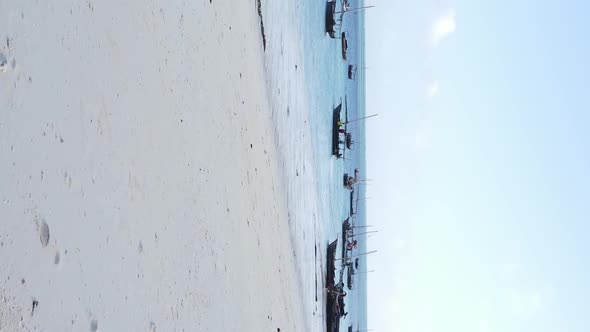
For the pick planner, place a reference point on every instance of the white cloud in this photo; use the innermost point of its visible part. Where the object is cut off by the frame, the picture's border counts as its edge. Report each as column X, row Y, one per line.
column 432, row 89
column 442, row 27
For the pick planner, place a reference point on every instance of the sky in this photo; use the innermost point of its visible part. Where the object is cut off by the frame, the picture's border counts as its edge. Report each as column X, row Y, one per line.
column 480, row 164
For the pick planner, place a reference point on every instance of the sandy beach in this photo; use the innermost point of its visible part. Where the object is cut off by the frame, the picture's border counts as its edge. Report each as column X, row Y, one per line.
column 139, row 182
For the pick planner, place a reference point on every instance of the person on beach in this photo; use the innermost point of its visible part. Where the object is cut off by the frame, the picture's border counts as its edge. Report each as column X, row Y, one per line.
column 352, row 245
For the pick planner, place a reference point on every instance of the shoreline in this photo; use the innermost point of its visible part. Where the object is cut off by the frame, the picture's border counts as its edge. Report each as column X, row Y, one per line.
column 142, row 138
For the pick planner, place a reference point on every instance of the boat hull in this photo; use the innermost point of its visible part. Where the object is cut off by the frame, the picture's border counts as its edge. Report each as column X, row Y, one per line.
column 344, row 46
column 330, row 21
column 345, row 227
column 336, row 131
column 332, row 305
column 330, row 262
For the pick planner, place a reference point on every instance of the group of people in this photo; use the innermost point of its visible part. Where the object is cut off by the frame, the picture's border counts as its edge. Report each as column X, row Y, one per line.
column 340, row 142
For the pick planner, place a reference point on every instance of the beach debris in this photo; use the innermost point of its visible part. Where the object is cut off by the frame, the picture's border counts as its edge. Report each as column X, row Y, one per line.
column 152, row 327
column 44, row 234
column 57, row 258
column 261, row 25
column 35, row 305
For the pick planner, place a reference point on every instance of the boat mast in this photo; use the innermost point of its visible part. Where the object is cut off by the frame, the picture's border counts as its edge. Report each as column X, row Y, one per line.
column 366, row 117
column 359, row 255
column 353, row 10
column 353, row 235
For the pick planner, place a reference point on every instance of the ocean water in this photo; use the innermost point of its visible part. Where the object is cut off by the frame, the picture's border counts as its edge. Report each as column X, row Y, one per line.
column 306, row 80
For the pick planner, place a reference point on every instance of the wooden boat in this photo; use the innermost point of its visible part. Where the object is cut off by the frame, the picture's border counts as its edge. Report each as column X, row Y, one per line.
column 350, row 277
column 351, row 202
column 335, row 291
column 334, row 309
column 346, row 231
column 330, row 262
column 348, row 140
column 336, row 131
column 330, row 21
column 349, row 181
column 351, row 72
column 344, row 45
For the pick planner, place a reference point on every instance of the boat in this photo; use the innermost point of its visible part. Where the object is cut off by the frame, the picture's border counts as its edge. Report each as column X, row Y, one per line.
column 336, row 124
column 351, row 72
column 330, row 21
column 349, row 181
column 348, row 140
column 346, row 232
column 334, row 301
column 351, row 205
column 330, row 262
column 344, row 45
column 350, row 277
column 334, row 308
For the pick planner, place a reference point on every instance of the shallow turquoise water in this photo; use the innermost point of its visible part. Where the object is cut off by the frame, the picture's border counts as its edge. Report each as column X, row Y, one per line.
column 306, row 79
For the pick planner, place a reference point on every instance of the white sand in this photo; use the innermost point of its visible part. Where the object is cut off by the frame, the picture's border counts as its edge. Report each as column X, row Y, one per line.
column 139, row 186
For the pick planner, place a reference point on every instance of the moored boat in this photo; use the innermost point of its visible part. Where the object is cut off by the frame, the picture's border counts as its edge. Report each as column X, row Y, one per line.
column 330, row 262
column 348, row 140
column 344, row 46
column 330, row 21
column 335, row 291
column 349, row 181
column 336, row 126
column 351, row 72
column 350, row 277
column 346, row 232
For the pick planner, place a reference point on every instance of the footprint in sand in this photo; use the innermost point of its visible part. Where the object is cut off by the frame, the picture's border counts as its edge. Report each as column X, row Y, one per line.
column 94, row 325
column 44, row 233
column 3, row 63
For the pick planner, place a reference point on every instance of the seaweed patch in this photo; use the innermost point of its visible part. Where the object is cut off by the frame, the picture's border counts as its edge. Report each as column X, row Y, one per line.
column 261, row 25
